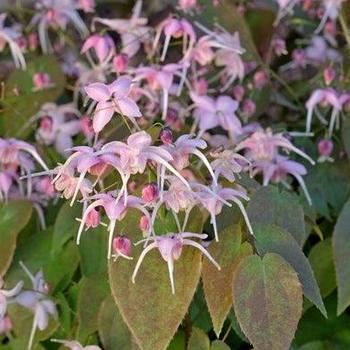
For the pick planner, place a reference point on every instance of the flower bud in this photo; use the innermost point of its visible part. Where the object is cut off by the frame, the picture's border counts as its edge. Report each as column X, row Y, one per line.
column 150, row 192
column 328, row 75
column 121, row 246
column 5, row 325
column 238, row 92
column 93, row 219
column 249, row 107
column 120, row 63
column 260, row 79
column 166, row 136
column 144, row 224
column 41, row 81
column 32, row 41
column 325, row 147
column 86, row 127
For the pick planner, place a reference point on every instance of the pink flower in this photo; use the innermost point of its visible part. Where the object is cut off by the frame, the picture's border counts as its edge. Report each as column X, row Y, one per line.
column 170, row 247
column 121, row 247
column 115, row 210
column 166, row 136
column 187, row 5
column 86, row 127
column 324, row 97
column 133, row 31
column 203, row 52
column 331, row 10
column 38, row 302
column 110, row 99
column 279, row 46
column 56, row 13
column 211, row 112
column 175, row 28
column 102, row 45
column 159, row 79
column 10, row 35
column 264, row 145
column 214, row 198
column 329, row 75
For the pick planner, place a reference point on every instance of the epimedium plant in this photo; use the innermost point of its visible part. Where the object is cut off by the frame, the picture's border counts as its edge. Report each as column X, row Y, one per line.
column 170, row 178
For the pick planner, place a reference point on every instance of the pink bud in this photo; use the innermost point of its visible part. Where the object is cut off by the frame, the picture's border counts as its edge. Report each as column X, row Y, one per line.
column 330, row 29
column 45, row 124
column 299, row 57
column 260, row 79
column 187, row 5
column 249, row 107
column 93, row 219
column 144, row 223
column 5, row 325
column 41, row 81
column 86, row 127
column 200, row 86
column 166, row 136
column 46, row 186
column 325, row 147
column 87, row 5
column 121, row 246
column 328, row 75
column 238, row 92
column 120, row 63
column 22, row 43
column 150, row 192
column 32, row 41
column 172, row 119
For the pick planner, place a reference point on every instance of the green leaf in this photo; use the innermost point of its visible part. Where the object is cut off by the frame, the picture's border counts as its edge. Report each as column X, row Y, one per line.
column 14, row 215
column 35, row 252
column 345, row 133
column 66, row 226
column 272, row 239
column 268, row 301
column 321, row 260
column 270, row 206
column 113, row 332
column 218, row 284
column 341, row 249
column 18, row 109
column 148, row 307
column 219, row 345
column 93, row 292
column 93, row 251
column 198, row 340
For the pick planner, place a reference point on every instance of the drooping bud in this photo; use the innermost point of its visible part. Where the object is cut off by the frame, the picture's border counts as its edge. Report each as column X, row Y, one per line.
column 328, row 75
column 121, row 246
column 248, row 108
column 144, row 224
column 32, row 41
column 120, row 63
column 325, row 147
column 260, row 79
column 41, row 81
column 5, row 325
column 86, row 127
column 238, row 92
column 93, row 219
column 166, row 136
column 150, row 192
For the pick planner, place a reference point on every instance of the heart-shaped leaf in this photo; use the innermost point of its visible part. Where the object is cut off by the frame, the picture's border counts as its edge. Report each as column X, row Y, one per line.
column 148, row 307
column 198, row 340
column 268, row 301
column 14, row 215
column 269, row 206
column 341, row 249
column 113, row 332
column 273, row 239
column 218, row 284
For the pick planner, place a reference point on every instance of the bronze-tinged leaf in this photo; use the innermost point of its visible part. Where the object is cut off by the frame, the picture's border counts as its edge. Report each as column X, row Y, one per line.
column 268, row 301
column 14, row 215
column 273, row 239
column 341, row 249
column 219, row 345
column 92, row 293
column 112, row 330
column 151, row 311
column 270, row 206
column 20, row 106
column 218, row 284
column 321, row 260
column 198, row 340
